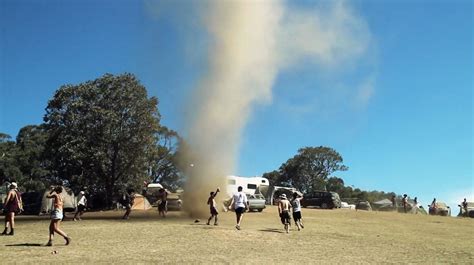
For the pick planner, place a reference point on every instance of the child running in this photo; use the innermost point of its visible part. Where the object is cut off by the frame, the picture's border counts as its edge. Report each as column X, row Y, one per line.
column 212, row 206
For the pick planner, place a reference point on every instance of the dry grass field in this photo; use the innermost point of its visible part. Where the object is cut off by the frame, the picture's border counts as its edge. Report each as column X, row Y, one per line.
column 329, row 236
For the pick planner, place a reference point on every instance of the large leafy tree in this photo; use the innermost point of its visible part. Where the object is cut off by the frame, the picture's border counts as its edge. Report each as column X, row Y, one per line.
column 30, row 143
column 102, row 133
column 9, row 169
column 309, row 169
column 163, row 161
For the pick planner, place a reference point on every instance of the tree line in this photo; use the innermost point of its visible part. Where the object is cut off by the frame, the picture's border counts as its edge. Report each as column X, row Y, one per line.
column 312, row 169
column 105, row 135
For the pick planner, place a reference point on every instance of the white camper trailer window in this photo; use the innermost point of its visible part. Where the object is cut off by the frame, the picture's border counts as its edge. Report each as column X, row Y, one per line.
column 252, row 186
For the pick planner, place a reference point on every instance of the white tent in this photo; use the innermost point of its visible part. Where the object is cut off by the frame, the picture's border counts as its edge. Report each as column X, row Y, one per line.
column 140, row 203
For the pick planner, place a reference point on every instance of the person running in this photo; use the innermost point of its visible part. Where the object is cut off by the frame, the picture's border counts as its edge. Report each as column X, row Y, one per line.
column 163, row 202
column 284, row 207
column 81, row 206
column 213, row 206
column 13, row 205
column 56, row 215
column 127, row 202
column 296, row 205
column 405, row 202
column 240, row 204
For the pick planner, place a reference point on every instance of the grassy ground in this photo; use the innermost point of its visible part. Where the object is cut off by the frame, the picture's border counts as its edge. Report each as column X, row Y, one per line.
column 329, row 236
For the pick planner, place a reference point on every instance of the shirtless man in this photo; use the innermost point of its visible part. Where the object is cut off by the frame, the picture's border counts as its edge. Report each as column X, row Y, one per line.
column 284, row 208
column 56, row 215
column 213, row 206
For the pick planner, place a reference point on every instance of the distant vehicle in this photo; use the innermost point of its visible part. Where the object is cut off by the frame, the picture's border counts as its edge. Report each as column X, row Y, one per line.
column 345, row 205
column 470, row 210
column 363, row 205
column 440, row 209
column 322, row 199
column 151, row 192
column 256, row 202
column 250, row 185
column 277, row 191
column 174, row 202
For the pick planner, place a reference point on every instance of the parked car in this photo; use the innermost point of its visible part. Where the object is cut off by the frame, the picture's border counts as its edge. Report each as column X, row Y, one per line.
column 470, row 210
column 363, row 205
column 174, row 202
column 345, row 205
column 440, row 209
column 322, row 199
column 256, row 202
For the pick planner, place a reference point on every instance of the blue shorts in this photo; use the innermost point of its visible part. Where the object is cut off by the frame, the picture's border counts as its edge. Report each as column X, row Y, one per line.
column 56, row 214
column 240, row 210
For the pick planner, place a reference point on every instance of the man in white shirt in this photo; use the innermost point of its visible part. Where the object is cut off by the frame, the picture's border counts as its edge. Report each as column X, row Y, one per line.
column 81, row 206
column 240, row 203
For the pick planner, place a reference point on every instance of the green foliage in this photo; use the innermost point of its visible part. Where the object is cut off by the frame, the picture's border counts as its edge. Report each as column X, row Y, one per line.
column 31, row 141
column 310, row 168
column 23, row 161
column 163, row 160
column 102, row 134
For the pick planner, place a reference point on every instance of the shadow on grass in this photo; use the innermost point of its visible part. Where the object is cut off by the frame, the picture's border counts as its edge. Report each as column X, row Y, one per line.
column 25, row 245
column 272, row 230
column 115, row 216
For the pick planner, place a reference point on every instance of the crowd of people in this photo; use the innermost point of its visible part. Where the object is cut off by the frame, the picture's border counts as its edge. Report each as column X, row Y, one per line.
column 287, row 209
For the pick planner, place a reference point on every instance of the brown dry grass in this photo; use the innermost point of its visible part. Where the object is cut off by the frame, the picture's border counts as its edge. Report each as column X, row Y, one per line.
column 329, row 236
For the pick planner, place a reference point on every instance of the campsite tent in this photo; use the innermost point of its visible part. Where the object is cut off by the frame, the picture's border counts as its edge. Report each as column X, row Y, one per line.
column 69, row 200
column 140, row 203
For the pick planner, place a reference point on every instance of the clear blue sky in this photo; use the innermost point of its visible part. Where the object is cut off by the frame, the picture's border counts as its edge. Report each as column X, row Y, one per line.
column 413, row 136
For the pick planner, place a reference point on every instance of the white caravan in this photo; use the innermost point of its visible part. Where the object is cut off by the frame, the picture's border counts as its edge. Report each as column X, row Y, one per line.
column 250, row 185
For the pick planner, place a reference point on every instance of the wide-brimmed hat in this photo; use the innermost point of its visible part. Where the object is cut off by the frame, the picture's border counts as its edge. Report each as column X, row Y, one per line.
column 283, row 196
column 14, row 185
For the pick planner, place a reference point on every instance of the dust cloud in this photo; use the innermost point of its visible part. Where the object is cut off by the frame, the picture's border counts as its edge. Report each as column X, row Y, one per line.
column 250, row 42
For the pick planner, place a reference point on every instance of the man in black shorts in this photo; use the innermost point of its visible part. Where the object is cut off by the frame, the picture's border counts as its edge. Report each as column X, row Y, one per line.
column 213, row 207
column 284, row 207
column 240, row 203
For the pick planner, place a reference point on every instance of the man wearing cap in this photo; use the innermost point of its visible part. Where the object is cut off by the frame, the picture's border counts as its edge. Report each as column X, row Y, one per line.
column 81, row 206
column 284, row 208
column 13, row 205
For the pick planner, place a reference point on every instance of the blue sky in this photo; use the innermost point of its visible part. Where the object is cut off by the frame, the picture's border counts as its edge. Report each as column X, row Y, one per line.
column 413, row 135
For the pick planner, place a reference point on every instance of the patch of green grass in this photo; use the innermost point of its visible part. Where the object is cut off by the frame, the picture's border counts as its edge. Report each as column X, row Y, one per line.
column 329, row 236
